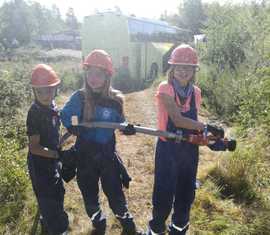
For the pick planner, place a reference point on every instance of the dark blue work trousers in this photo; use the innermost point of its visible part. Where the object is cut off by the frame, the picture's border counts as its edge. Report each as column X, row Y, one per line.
column 49, row 190
column 97, row 162
column 175, row 179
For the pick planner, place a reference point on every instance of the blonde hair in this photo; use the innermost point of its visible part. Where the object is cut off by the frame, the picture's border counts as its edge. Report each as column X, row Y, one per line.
column 107, row 92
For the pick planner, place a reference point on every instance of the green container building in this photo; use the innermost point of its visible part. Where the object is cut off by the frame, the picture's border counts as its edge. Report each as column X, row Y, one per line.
column 139, row 47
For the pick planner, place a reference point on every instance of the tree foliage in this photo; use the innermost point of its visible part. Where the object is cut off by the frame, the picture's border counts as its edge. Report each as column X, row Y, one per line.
column 227, row 37
column 15, row 23
column 237, row 55
column 71, row 20
column 192, row 15
column 21, row 21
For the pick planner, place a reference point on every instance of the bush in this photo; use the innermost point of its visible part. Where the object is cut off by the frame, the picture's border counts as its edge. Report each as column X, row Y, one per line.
column 71, row 80
column 227, row 37
column 255, row 108
column 13, row 181
column 213, row 215
column 244, row 175
column 232, row 176
column 15, row 92
column 221, row 91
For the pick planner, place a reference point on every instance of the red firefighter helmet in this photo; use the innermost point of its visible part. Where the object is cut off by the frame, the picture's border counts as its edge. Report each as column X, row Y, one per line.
column 44, row 76
column 100, row 59
column 184, row 55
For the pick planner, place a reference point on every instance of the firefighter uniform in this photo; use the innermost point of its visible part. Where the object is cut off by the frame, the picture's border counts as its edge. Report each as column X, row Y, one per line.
column 97, row 160
column 175, row 179
column 45, row 172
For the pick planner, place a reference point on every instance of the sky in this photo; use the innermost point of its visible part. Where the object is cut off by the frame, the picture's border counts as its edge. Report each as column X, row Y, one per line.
column 141, row 8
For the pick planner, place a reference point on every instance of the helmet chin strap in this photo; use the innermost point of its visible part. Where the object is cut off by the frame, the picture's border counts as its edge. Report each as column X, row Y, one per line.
column 97, row 90
column 55, row 93
column 96, row 93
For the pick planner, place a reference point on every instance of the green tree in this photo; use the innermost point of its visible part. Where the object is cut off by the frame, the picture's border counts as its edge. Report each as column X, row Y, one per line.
column 21, row 21
column 192, row 15
column 15, row 23
column 46, row 20
column 71, row 20
column 227, row 37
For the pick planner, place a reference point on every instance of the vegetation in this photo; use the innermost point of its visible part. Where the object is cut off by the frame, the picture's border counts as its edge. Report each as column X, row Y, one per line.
column 235, row 84
column 21, row 21
column 234, row 79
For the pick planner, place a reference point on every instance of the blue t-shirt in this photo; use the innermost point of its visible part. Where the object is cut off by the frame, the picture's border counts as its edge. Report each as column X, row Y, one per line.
column 106, row 110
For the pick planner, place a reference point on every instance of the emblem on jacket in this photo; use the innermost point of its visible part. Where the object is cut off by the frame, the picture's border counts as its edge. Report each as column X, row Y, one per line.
column 106, row 114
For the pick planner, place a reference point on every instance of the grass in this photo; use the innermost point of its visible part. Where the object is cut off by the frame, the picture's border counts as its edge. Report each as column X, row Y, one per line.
column 233, row 199
column 220, row 207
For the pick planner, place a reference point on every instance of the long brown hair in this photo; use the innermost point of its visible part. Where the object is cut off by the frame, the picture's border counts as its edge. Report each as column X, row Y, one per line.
column 107, row 92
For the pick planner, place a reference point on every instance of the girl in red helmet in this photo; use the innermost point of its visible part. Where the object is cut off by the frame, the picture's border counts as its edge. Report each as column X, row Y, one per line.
column 178, row 101
column 43, row 125
column 97, row 157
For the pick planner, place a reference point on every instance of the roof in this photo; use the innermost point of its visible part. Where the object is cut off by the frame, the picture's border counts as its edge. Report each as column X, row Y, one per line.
column 141, row 25
column 147, row 26
column 149, row 30
column 146, row 30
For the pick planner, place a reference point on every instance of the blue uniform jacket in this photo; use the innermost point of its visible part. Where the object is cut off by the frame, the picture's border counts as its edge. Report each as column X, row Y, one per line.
column 106, row 110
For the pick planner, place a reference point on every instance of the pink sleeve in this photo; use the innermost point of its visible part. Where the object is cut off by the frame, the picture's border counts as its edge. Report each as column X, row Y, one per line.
column 162, row 114
column 165, row 88
column 198, row 97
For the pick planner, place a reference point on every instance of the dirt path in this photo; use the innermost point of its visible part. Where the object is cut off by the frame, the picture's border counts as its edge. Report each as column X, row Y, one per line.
column 138, row 154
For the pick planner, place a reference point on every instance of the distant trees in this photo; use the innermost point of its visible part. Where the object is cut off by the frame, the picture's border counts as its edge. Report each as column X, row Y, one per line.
column 237, row 59
column 192, row 15
column 228, row 36
column 21, row 21
column 71, row 20
column 46, row 20
column 15, row 23
column 236, row 34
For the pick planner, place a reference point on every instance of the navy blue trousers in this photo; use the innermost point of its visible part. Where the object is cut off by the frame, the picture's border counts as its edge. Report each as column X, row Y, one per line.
column 174, row 183
column 98, row 163
column 49, row 190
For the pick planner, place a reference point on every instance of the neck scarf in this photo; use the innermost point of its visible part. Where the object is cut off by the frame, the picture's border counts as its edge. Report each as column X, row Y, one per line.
column 183, row 91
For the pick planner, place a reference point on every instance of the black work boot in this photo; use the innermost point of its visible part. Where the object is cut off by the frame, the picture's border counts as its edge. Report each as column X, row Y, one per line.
column 135, row 232
column 99, row 223
column 128, row 225
column 132, row 232
column 99, row 229
column 150, row 232
column 43, row 230
column 157, row 226
column 97, row 232
column 176, row 230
